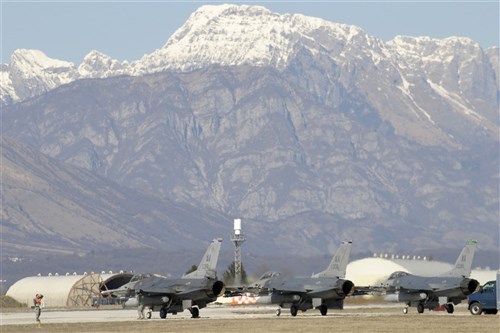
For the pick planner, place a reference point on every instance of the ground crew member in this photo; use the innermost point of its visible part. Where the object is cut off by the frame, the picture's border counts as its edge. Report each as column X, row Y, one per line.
column 140, row 305
column 37, row 301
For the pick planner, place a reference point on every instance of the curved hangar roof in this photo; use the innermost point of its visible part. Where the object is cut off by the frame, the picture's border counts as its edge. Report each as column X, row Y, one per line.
column 66, row 290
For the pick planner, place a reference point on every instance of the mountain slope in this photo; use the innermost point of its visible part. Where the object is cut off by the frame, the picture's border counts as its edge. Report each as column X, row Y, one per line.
column 455, row 72
column 52, row 207
column 319, row 134
column 254, row 143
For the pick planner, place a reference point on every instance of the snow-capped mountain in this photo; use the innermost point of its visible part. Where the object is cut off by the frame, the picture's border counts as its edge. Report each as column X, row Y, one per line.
column 315, row 128
column 31, row 73
column 233, row 35
column 98, row 65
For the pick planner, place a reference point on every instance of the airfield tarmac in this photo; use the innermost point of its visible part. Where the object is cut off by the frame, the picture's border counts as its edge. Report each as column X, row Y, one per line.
column 253, row 319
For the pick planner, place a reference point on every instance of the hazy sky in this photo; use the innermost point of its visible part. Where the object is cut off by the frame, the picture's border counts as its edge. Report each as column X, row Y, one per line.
column 126, row 30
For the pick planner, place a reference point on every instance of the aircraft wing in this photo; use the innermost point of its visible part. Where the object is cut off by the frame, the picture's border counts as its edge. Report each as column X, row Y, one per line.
column 428, row 288
column 189, row 291
column 158, row 289
column 368, row 290
column 467, row 287
column 320, row 291
column 156, row 292
column 170, row 290
column 291, row 289
column 237, row 291
column 306, row 287
column 306, row 292
column 441, row 287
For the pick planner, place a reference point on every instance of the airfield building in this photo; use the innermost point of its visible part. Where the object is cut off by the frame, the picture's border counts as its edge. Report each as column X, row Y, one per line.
column 68, row 289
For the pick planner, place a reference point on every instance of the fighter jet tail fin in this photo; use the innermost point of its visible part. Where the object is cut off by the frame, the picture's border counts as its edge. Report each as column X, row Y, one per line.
column 464, row 261
column 339, row 262
column 208, row 265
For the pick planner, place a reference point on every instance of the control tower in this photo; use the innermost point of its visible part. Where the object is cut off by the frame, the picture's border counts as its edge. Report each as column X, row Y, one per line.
column 237, row 238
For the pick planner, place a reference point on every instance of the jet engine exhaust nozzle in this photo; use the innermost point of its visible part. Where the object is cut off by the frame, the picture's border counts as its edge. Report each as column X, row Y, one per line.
column 218, row 288
column 469, row 286
column 346, row 286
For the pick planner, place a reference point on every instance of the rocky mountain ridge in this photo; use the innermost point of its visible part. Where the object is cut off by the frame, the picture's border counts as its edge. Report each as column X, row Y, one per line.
column 338, row 136
column 251, row 144
column 233, row 35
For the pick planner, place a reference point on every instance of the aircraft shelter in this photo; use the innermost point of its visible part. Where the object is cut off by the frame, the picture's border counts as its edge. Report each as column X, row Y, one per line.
column 67, row 290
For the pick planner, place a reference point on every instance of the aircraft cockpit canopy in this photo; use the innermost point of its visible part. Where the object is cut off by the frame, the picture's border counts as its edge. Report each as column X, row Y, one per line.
column 268, row 275
column 397, row 275
column 139, row 277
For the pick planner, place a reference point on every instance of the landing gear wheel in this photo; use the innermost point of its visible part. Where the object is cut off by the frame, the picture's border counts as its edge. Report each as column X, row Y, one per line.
column 294, row 310
column 449, row 308
column 163, row 313
column 278, row 312
column 405, row 310
column 420, row 308
column 149, row 314
column 476, row 309
column 195, row 312
column 323, row 309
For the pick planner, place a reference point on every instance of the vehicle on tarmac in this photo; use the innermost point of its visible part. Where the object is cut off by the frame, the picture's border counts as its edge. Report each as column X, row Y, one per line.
column 487, row 299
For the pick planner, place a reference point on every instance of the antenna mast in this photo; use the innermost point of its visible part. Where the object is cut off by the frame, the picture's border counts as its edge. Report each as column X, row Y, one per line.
column 237, row 238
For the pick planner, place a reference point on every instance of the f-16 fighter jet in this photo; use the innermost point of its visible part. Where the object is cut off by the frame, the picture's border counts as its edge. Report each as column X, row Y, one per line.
column 192, row 291
column 321, row 291
column 430, row 292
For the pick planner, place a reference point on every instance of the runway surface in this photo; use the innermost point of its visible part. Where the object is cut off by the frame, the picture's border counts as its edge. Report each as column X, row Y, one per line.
column 211, row 312
column 102, row 315
column 253, row 319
